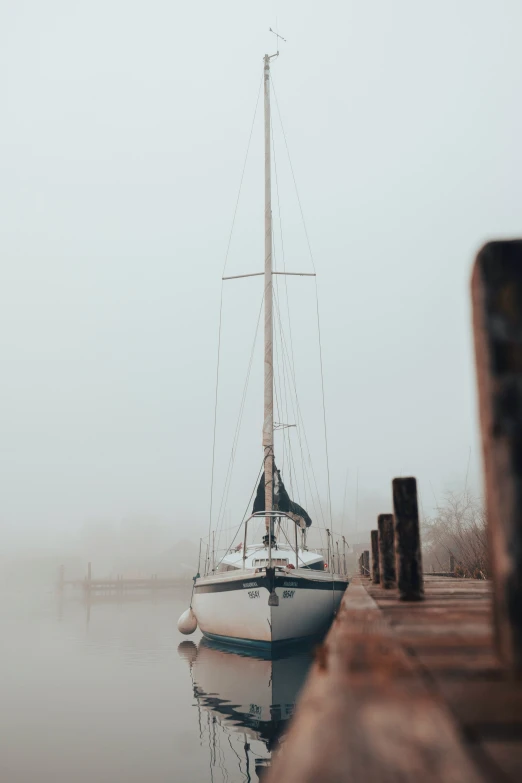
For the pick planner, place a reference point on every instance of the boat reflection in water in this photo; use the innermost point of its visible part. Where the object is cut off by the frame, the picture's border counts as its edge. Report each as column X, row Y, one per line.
column 249, row 694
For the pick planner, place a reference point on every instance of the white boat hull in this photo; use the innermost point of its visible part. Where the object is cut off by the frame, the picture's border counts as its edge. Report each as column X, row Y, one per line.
column 235, row 607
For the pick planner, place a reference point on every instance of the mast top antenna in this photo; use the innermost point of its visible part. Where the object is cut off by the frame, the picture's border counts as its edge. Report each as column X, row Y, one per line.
column 278, row 37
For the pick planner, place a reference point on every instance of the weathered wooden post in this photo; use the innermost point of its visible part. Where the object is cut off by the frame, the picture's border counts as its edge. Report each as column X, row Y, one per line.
column 87, row 584
column 366, row 562
column 360, row 563
column 497, row 322
column 452, row 564
column 407, row 539
column 375, row 557
column 387, row 551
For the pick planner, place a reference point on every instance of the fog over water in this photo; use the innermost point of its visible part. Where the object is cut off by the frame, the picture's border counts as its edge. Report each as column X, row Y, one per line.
column 122, row 140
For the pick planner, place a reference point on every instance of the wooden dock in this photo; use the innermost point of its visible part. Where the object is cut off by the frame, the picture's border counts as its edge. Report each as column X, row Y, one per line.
column 420, row 677
column 118, row 585
column 407, row 692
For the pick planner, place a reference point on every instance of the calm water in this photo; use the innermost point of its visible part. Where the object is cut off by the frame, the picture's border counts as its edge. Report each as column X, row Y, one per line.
column 115, row 693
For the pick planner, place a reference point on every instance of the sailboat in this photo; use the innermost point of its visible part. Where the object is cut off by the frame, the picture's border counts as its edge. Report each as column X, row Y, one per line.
column 274, row 591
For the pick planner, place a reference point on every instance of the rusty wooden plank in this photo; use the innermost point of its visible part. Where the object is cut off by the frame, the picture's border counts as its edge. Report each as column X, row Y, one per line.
column 375, row 557
column 484, row 704
column 497, row 321
column 367, row 713
column 507, row 757
column 407, row 539
column 386, row 540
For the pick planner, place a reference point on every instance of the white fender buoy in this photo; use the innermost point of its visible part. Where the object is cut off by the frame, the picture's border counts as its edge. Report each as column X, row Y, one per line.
column 187, row 623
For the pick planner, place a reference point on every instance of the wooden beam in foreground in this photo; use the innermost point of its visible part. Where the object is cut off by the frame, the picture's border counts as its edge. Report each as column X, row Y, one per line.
column 496, row 288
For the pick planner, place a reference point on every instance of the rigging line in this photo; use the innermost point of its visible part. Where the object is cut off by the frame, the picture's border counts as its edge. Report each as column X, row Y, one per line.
column 282, row 379
column 291, row 469
column 324, row 406
column 228, row 479
column 313, row 265
column 221, row 306
column 344, row 501
column 298, row 408
column 357, row 507
column 300, row 418
column 240, row 760
column 242, row 176
column 276, row 371
column 293, row 177
column 292, row 546
column 215, row 421
column 278, row 406
column 245, row 512
column 226, row 490
column 294, row 484
column 242, row 404
column 317, row 301
column 279, row 379
column 278, row 392
column 318, row 516
column 286, row 289
column 285, row 372
column 283, row 254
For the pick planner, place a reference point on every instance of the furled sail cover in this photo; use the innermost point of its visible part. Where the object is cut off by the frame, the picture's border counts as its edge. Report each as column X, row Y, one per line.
column 282, row 501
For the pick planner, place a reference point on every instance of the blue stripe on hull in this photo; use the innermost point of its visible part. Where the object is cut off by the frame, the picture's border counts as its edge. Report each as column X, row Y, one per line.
column 258, row 644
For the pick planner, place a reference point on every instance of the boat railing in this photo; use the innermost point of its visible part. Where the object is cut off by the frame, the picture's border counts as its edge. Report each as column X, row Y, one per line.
column 335, row 560
column 334, row 555
column 270, row 515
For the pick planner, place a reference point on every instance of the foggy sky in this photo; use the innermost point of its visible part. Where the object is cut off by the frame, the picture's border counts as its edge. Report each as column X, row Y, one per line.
column 123, row 133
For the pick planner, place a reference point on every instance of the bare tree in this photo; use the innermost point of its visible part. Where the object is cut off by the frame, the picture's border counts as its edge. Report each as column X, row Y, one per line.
column 458, row 529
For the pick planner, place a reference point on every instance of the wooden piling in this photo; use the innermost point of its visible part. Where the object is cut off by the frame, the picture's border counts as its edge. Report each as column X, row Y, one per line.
column 387, row 551
column 375, row 557
column 407, row 539
column 497, row 322
column 366, row 562
column 87, row 582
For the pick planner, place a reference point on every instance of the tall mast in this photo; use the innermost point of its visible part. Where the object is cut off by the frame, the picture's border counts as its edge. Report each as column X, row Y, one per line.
column 268, row 423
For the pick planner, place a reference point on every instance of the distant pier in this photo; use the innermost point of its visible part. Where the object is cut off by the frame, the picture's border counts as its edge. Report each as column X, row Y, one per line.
column 117, row 585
